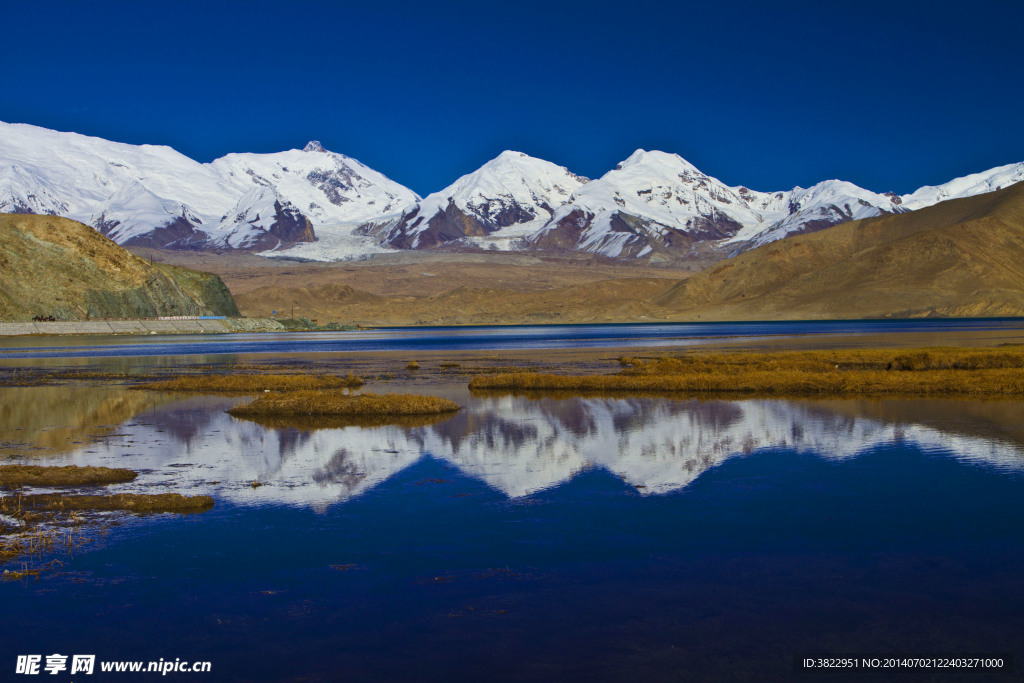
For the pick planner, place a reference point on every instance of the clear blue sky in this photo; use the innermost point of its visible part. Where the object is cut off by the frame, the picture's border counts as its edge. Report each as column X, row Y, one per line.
column 889, row 95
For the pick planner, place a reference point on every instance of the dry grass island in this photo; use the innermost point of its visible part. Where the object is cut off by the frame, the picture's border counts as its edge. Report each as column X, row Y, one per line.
column 36, row 529
column 309, row 396
column 339, row 404
column 991, row 372
column 14, row 476
column 143, row 503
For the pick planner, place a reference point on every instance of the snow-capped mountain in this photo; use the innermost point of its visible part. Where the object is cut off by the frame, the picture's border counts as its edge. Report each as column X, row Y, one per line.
column 261, row 221
column 326, row 187
column 312, row 203
column 655, row 202
column 152, row 195
column 498, row 205
column 828, row 203
column 967, row 186
column 651, row 201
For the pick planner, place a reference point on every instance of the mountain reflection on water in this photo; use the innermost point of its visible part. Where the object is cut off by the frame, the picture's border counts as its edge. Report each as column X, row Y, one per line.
column 520, row 445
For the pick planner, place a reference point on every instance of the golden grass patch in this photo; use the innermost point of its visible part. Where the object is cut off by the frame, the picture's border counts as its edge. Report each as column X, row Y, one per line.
column 246, row 384
column 336, row 403
column 314, row 422
column 920, row 372
column 128, row 502
column 34, row 475
column 822, row 361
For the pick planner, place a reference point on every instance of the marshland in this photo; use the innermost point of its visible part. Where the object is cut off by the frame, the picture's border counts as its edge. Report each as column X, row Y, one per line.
column 905, row 372
column 37, row 529
column 667, row 502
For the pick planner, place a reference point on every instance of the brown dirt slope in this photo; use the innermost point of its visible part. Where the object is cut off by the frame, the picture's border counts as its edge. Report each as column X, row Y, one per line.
column 601, row 301
column 435, row 288
column 960, row 258
column 59, row 267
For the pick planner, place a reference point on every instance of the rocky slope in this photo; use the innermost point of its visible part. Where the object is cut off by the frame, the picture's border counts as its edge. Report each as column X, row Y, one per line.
column 51, row 266
column 963, row 257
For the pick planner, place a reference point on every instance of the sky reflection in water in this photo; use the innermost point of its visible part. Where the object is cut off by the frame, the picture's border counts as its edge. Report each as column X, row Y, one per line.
column 605, row 539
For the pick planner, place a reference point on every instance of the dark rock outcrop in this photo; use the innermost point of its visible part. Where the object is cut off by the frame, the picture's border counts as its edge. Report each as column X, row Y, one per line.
column 290, row 227
column 178, row 234
column 453, row 224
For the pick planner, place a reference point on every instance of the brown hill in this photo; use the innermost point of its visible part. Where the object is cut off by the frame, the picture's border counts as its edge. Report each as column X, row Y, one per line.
column 438, row 288
column 59, row 267
column 963, row 257
column 600, row 301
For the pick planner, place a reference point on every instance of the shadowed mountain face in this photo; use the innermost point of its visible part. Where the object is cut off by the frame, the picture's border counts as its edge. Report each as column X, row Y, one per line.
column 59, row 267
column 961, row 258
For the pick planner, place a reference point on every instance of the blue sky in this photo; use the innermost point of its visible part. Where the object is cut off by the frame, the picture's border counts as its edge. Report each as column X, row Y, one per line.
column 889, row 95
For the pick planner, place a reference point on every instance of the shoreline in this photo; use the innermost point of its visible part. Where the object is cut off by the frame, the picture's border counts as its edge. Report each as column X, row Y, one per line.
column 138, row 327
column 945, row 332
column 155, row 326
column 280, row 324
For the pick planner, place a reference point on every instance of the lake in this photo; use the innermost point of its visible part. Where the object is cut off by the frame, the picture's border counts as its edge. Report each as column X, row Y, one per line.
column 535, row 538
column 921, row 331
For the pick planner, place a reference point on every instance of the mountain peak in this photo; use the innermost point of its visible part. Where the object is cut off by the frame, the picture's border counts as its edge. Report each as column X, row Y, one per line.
column 511, row 154
column 643, row 157
column 512, row 159
column 313, row 146
column 509, row 191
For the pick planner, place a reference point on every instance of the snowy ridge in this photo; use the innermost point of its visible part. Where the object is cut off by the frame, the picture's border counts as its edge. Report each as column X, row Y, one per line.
column 506, row 198
column 654, row 201
column 153, row 195
column 658, row 202
column 967, row 186
column 262, row 221
column 124, row 190
column 315, row 204
column 827, row 203
column 325, row 186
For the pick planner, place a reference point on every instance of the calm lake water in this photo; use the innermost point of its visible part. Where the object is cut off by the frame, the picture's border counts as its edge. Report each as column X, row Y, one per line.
column 489, row 338
column 536, row 539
